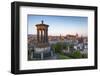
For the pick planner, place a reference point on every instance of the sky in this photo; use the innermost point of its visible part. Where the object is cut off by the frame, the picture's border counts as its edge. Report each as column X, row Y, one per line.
column 59, row 25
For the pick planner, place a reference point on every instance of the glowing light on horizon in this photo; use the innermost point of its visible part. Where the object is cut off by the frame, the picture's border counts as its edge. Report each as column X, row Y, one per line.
column 60, row 25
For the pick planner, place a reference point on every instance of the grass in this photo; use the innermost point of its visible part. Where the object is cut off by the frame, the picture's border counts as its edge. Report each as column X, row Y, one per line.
column 61, row 56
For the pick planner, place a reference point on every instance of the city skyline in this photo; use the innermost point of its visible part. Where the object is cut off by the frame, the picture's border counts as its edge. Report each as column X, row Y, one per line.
column 59, row 25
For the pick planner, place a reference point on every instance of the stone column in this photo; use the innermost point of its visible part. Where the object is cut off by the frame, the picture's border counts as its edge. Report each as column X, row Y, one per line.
column 37, row 35
column 46, row 35
column 52, row 53
column 41, row 35
column 68, row 48
column 41, row 55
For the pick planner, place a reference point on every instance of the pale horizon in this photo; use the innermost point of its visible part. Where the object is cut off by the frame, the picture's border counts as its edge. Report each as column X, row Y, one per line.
column 59, row 25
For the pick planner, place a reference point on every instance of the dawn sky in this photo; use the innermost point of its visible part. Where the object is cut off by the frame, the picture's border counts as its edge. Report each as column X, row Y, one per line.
column 59, row 24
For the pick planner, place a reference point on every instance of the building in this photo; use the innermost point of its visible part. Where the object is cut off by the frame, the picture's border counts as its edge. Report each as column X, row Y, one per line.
column 42, row 46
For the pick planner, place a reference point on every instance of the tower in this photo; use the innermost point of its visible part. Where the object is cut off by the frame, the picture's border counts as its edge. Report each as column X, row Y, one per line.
column 42, row 32
column 42, row 46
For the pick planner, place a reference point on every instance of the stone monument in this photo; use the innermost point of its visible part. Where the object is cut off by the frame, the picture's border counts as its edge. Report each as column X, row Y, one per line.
column 42, row 46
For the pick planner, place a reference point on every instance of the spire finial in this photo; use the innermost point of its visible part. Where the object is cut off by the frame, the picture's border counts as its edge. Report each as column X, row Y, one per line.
column 42, row 21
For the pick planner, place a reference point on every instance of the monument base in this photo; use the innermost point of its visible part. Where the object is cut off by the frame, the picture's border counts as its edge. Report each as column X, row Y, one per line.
column 39, row 52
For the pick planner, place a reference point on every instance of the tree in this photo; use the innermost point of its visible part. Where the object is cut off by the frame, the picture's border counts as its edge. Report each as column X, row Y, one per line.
column 65, row 46
column 76, row 54
column 84, row 55
column 57, row 47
